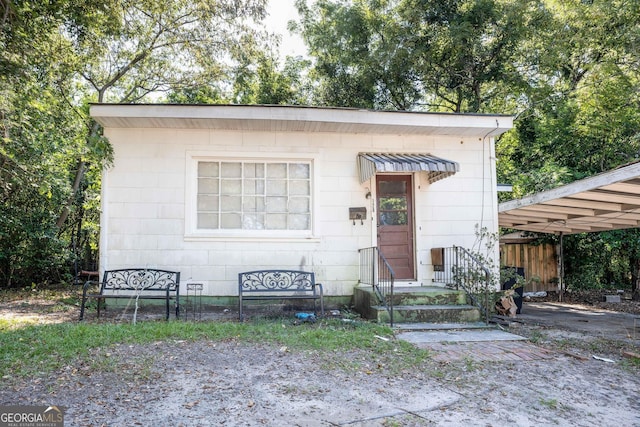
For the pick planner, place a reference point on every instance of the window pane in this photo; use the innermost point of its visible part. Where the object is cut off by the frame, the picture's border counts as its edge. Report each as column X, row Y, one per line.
column 393, row 218
column 207, row 203
column 253, row 221
column 276, row 187
column 299, row 222
column 276, row 204
column 393, row 187
column 207, row 186
column 231, row 186
column 206, row 220
column 231, row 170
column 253, row 170
column 393, row 210
column 208, row 169
column 254, row 186
column 230, row 221
column 299, row 205
column 276, row 221
column 248, row 204
column 299, row 188
column 276, row 170
column 230, row 203
column 299, row 170
column 250, row 170
column 253, row 204
column 393, row 203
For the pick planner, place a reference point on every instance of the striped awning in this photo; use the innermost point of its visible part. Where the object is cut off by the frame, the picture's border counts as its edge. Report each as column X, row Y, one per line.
column 435, row 167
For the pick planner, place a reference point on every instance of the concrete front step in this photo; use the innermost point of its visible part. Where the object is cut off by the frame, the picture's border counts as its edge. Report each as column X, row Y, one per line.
column 364, row 296
column 414, row 304
column 426, row 327
column 428, row 296
column 427, row 314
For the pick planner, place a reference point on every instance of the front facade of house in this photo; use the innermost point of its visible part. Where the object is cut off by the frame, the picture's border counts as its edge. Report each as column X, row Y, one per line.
column 212, row 191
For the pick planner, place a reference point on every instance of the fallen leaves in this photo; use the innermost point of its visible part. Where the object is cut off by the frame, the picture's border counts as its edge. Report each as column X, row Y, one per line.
column 190, row 405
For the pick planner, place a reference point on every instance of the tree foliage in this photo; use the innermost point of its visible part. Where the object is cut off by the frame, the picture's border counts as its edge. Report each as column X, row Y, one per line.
column 55, row 58
column 580, row 117
column 567, row 69
column 41, row 137
column 456, row 56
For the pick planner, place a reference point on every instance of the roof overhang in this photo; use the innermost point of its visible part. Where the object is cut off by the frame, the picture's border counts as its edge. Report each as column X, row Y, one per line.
column 603, row 202
column 297, row 119
column 436, row 168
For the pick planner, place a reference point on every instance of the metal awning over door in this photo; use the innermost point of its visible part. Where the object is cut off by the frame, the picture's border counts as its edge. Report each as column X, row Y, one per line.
column 608, row 201
column 436, row 168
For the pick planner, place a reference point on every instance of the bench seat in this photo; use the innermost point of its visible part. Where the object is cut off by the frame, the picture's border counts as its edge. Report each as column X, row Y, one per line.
column 279, row 285
column 134, row 283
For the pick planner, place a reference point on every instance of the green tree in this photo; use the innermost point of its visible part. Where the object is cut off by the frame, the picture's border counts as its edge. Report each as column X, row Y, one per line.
column 258, row 76
column 55, row 57
column 338, row 36
column 579, row 117
column 262, row 79
column 40, row 134
column 466, row 51
column 418, row 54
column 157, row 46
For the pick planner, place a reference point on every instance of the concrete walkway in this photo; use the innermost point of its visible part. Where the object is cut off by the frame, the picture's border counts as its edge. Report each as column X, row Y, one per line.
column 449, row 342
column 456, row 336
column 486, row 344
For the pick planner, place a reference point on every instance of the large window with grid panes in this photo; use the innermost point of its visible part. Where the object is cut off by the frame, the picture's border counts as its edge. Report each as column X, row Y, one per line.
column 253, row 195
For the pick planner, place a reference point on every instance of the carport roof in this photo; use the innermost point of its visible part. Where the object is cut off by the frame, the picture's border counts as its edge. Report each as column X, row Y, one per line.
column 608, row 201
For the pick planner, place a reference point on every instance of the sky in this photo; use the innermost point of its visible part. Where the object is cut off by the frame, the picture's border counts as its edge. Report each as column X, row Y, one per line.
column 279, row 13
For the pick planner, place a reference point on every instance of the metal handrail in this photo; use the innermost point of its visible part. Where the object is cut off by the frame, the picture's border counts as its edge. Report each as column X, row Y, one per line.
column 462, row 269
column 376, row 272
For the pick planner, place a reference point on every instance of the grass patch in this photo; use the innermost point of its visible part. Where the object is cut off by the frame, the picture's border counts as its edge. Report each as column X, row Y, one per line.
column 632, row 363
column 29, row 349
column 48, row 294
column 549, row 403
column 537, row 337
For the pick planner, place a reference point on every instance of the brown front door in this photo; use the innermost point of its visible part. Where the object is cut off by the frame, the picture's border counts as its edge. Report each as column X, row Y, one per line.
column 395, row 223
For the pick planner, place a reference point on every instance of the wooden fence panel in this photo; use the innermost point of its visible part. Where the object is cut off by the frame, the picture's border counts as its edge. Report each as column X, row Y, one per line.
column 539, row 262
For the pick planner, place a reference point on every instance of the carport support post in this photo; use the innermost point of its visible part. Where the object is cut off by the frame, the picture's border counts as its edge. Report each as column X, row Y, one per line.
column 561, row 278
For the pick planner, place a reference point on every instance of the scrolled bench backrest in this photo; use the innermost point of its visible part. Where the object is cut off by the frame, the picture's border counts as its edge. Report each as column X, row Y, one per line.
column 136, row 279
column 276, row 280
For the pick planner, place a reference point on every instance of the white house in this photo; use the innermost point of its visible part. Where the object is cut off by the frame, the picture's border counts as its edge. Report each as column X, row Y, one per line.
column 213, row 190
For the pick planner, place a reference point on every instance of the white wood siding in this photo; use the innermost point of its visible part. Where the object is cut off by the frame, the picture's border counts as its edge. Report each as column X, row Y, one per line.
column 145, row 203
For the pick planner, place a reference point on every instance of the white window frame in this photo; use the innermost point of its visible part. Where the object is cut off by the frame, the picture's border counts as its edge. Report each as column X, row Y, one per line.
column 192, row 232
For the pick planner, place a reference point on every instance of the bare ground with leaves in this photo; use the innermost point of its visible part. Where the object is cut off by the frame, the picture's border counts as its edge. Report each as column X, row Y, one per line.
column 234, row 383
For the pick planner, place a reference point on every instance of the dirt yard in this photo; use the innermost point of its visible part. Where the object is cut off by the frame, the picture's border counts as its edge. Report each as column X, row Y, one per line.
column 174, row 383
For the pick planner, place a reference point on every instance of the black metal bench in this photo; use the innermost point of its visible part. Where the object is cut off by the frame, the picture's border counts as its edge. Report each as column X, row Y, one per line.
column 279, row 285
column 134, row 283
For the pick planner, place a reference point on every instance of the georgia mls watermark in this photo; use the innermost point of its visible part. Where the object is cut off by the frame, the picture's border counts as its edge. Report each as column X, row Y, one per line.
column 31, row 416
